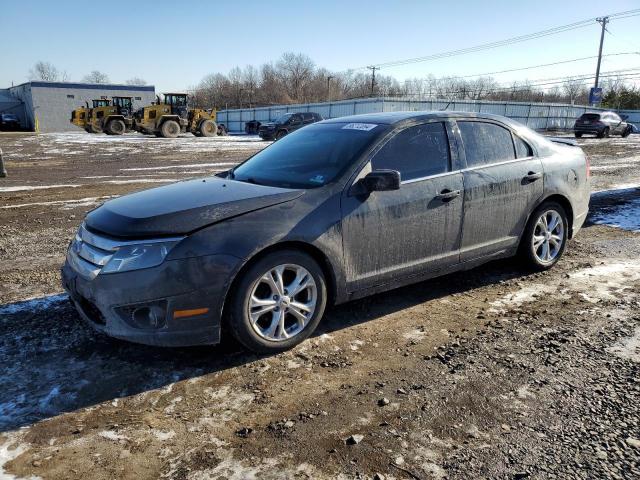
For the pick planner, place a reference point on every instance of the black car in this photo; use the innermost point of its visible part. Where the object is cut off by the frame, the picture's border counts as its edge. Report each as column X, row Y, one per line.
column 601, row 124
column 287, row 123
column 9, row 121
column 333, row 212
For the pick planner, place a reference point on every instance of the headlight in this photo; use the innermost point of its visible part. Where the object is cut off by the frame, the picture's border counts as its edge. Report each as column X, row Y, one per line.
column 135, row 257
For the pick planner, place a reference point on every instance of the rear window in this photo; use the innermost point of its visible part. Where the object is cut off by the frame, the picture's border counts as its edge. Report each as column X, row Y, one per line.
column 486, row 143
column 590, row 116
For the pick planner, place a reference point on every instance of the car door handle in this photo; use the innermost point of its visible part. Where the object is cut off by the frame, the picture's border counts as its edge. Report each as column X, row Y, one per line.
column 533, row 176
column 447, row 195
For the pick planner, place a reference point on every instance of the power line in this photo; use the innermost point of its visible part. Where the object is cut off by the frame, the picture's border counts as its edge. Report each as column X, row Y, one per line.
column 509, row 41
column 560, row 62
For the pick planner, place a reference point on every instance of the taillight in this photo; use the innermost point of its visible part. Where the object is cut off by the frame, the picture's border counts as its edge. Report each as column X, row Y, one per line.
column 588, row 162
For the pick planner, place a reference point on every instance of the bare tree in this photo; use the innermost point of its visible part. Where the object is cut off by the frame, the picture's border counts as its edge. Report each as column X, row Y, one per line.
column 134, row 81
column 295, row 71
column 572, row 88
column 96, row 76
column 46, row 71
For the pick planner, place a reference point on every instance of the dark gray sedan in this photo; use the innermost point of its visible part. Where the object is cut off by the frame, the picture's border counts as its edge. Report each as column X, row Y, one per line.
column 338, row 210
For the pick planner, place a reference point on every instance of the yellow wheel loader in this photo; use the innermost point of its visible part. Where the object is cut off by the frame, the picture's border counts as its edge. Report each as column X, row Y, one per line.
column 113, row 119
column 172, row 117
column 80, row 116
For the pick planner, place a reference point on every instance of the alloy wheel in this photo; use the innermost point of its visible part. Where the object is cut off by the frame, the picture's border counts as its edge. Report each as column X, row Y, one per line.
column 282, row 302
column 548, row 237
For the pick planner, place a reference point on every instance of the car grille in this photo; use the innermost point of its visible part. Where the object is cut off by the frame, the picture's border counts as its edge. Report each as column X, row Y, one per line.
column 90, row 252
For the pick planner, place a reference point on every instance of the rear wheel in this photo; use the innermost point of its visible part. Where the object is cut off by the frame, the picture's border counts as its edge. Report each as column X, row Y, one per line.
column 545, row 237
column 278, row 302
column 170, row 129
column 208, row 128
column 116, row 127
column 604, row 133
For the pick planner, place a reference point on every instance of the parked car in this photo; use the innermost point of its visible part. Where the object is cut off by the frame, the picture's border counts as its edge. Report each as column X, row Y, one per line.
column 602, row 124
column 9, row 121
column 333, row 212
column 252, row 127
column 287, row 123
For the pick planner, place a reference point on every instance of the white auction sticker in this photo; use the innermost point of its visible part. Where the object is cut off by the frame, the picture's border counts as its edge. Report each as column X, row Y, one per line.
column 360, row 126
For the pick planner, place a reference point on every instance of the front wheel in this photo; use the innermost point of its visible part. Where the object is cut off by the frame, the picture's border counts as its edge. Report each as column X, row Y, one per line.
column 208, row 128
column 545, row 237
column 280, row 134
column 278, row 302
column 116, row 127
column 170, row 129
column 627, row 132
column 578, row 135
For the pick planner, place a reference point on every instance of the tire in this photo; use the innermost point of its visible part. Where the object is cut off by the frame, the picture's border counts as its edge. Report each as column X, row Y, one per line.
column 533, row 254
column 280, row 134
column 264, row 333
column 116, row 127
column 170, row 129
column 208, row 128
column 578, row 135
column 222, row 131
column 604, row 133
column 627, row 132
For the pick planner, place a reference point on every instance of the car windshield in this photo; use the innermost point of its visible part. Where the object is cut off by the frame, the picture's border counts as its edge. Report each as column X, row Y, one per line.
column 283, row 118
column 308, row 158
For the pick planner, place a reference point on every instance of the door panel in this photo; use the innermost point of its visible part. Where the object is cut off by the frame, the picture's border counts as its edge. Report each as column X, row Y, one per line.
column 497, row 200
column 402, row 232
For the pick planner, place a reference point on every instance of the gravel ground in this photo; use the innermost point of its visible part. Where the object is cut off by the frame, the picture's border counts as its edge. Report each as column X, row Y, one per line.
column 491, row 373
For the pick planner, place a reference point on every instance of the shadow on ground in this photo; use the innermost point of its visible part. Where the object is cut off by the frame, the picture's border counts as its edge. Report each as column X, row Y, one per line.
column 52, row 363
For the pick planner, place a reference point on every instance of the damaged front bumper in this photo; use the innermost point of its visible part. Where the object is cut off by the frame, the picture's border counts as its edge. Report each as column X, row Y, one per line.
column 148, row 306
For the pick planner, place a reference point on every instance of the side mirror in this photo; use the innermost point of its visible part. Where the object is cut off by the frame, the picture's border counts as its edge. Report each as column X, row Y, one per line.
column 382, row 181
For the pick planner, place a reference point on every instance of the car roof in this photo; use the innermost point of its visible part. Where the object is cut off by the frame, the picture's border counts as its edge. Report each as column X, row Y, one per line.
column 395, row 118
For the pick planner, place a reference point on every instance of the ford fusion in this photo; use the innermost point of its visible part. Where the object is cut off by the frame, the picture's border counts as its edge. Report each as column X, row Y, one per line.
column 335, row 211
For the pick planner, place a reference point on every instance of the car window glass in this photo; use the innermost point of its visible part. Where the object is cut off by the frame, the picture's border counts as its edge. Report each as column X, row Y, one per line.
column 486, row 143
column 523, row 149
column 415, row 152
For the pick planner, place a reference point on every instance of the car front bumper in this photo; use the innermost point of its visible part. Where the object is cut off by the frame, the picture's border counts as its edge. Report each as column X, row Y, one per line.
column 111, row 303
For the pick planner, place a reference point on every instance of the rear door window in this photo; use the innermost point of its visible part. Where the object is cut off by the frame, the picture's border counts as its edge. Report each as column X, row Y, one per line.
column 415, row 152
column 486, row 143
column 523, row 150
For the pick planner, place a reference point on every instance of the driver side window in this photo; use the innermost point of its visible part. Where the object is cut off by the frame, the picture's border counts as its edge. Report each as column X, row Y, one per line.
column 416, row 152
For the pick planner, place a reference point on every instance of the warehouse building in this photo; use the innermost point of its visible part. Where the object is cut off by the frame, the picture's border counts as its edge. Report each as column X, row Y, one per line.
column 47, row 106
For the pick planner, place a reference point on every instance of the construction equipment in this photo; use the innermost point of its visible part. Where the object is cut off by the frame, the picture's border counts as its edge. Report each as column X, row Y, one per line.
column 173, row 116
column 80, row 115
column 113, row 119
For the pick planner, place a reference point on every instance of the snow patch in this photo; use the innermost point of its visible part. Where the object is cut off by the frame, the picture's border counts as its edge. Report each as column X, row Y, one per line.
column 625, row 216
column 24, row 188
column 191, row 165
column 34, row 304
column 628, row 348
column 111, row 435
column 11, row 449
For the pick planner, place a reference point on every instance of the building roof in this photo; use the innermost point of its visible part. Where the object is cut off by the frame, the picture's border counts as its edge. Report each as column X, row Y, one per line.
column 88, row 86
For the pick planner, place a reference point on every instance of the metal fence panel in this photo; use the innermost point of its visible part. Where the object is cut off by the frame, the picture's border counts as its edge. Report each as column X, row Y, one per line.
column 540, row 116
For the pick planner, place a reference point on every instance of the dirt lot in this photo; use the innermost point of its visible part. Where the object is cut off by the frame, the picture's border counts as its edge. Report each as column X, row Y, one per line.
column 492, row 373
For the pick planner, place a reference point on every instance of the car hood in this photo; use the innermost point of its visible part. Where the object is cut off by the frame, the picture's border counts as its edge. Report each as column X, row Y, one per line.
column 183, row 207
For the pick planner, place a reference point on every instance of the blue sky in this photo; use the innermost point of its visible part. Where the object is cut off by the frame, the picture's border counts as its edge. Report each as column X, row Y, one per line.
column 180, row 42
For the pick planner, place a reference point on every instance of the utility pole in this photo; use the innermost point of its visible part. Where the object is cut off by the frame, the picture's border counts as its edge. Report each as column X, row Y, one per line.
column 3, row 171
column 602, row 21
column 329, row 77
column 373, row 69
